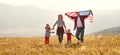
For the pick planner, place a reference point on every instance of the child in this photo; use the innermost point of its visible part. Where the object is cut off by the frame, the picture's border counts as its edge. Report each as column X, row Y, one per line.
column 69, row 34
column 47, row 34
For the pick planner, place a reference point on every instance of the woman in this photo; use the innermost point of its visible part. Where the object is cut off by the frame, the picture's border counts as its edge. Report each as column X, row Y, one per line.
column 60, row 30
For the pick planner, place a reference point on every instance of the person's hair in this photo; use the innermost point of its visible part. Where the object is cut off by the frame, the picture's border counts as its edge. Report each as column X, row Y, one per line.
column 68, row 30
column 78, row 14
column 47, row 26
column 60, row 16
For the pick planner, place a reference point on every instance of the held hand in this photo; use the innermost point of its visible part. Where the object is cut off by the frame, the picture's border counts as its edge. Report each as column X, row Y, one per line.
column 53, row 28
column 65, row 13
column 52, row 32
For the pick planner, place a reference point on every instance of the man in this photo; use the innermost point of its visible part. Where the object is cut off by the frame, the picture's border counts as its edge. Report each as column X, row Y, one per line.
column 79, row 23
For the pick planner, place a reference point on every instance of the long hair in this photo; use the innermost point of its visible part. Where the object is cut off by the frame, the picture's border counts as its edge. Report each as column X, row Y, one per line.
column 60, row 16
column 47, row 26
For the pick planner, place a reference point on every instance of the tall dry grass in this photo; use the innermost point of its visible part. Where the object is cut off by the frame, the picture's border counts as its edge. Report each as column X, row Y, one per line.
column 93, row 45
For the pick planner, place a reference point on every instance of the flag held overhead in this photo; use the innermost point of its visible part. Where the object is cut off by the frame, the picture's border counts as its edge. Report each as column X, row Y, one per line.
column 73, row 15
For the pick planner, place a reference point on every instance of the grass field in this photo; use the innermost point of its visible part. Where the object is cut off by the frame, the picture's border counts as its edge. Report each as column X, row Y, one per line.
column 98, row 45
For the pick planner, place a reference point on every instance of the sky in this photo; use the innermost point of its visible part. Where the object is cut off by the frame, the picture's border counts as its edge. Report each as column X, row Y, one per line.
column 67, row 5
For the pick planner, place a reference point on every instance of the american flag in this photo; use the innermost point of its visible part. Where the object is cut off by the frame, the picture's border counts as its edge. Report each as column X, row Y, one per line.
column 74, row 14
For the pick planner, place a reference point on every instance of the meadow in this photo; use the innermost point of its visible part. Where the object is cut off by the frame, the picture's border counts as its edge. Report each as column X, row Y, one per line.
column 93, row 45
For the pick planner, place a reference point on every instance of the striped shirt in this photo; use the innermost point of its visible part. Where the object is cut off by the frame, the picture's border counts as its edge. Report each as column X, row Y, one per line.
column 60, row 23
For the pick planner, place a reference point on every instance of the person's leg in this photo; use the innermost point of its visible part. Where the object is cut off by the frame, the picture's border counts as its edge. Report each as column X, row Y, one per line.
column 67, row 41
column 59, row 37
column 78, row 33
column 70, row 41
column 62, row 36
column 82, row 34
column 46, row 40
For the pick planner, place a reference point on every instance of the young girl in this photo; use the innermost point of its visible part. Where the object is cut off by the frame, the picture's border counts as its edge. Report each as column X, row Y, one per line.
column 69, row 34
column 60, row 27
column 47, row 34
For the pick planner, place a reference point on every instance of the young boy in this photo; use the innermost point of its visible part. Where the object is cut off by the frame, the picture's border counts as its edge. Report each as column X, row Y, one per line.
column 47, row 34
column 69, row 34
